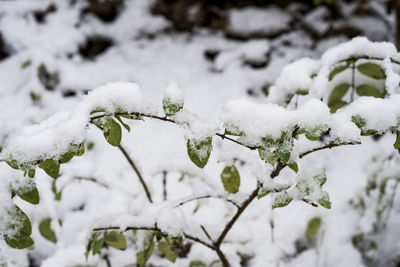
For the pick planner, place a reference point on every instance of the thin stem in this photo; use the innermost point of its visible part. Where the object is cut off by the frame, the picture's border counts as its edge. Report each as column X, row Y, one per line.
column 353, row 80
column 229, row 225
column 164, row 182
column 207, row 196
column 90, row 179
column 206, row 233
column 330, row 145
column 132, row 164
column 155, row 229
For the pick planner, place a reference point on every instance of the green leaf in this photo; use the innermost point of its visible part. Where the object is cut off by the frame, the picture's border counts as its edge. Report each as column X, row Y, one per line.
column 293, row 166
column 112, row 132
column 338, row 92
column 67, row 156
column 301, row 92
column 320, row 179
column 170, row 107
column 263, row 193
column 126, row 126
column 335, row 105
column 337, row 70
column 46, row 231
column 230, row 179
column 51, row 167
column 116, row 240
column 144, row 255
column 97, row 245
column 312, row 228
column 197, row 263
column 397, row 143
column 18, row 228
column 57, row 194
column 29, row 193
column 267, row 154
column 81, row 149
column 324, row 200
column 368, row 90
column 199, row 151
column 31, row 173
column 283, row 153
column 90, row 243
column 281, row 200
column 359, row 121
column 13, row 163
column 26, row 64
column 165, row 250
column 372, row 70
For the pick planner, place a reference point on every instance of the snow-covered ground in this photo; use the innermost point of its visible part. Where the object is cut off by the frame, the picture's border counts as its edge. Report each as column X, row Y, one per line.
column 100, row 186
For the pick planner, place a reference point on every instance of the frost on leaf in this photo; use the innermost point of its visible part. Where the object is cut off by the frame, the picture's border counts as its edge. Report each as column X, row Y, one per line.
column 18, row 228
column 282, row 199
column 173, row 99
column 199, row 151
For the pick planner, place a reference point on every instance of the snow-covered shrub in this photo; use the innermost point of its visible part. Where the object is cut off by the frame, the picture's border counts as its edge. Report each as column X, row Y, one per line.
column 352, row 91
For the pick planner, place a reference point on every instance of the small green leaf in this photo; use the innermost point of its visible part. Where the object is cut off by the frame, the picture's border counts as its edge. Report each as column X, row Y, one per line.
column 51, row 167
column 320, row 179
column 368, row 90
column 26, row 64
column 165, row 250
column 397, row 143
column 267, row 154
column 337, row 70
column 199, row 151
column 338, row 92
column 46, row 231
column 335, row 105
column 81, row 149
column 283, row 153
column 281, row 200
column 97, row 245
column 312, row 228
column 31, row 173
column 324, row 200
column 29, row 193
column 112, row 132
column 144, row 255
column 126, row 126
column 171, row 107
column 57, row 194
column 293, row 166
column 18, row 228
column 116, row 240
column 263, row 193
column 197, row 263
column 13, row 163
column 230, row 179
column 67, row 156
column 301, row 92
column 359, row 121
column 372, row 70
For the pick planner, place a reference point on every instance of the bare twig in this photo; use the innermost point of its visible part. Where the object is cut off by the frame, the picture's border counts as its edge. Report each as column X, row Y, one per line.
column 132, row 164
column 91, row 179
column 330, row 145
column 206, row 233
column 207, row 196
column 164, row 183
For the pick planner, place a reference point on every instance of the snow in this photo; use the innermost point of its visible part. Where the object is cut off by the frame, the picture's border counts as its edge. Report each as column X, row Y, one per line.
column 218, row 100
column 263, row 21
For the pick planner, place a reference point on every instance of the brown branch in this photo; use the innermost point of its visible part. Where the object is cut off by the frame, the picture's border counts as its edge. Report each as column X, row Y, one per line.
column 164, row 183
column 155, row 229
column 136, row 170
column 329, row 145
column 206, row 196
column 229, row 225
column 90, row 179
